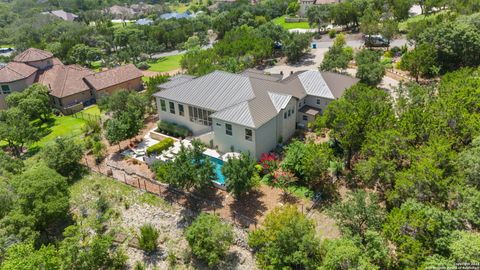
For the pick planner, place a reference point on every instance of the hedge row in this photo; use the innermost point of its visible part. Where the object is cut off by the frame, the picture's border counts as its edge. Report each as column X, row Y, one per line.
column 161, row 146
column 173, row 129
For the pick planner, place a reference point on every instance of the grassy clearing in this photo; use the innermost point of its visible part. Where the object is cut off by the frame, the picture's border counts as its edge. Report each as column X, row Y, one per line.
column 60, row 127
column 180, row 7
column 165, row 64
column 287, row 26
column 402, row 26
column 97, row 65
column 85, row 193
column 93, row 110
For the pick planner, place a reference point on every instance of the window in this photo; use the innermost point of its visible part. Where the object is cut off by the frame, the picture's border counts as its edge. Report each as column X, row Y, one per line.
column 228, row 129
column 218, row 124
column 163, row 106
column 199, row 116
column 181, row 112
column 289, row 113
column 172, row 107
column 285, row 115
column 305, row 118
column 6, row 89
column 318, row 101
column 248, row 134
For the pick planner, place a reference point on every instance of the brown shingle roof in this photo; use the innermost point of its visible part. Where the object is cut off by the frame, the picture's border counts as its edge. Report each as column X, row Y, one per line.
column 31, row 55
column 65, row 81
column 15, row 71
column 66, row 16
column 114, row 76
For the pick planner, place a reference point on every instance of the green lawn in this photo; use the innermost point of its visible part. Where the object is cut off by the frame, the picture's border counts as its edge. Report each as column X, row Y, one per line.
column 94, row 110
column 97, row 65
column 60, row 126
column 165, row 64
column 64, row 126
column 180, row 8
column 281, row 21
column 402, row 26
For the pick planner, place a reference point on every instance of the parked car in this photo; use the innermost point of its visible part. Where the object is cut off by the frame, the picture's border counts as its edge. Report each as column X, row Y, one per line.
column 376, row 41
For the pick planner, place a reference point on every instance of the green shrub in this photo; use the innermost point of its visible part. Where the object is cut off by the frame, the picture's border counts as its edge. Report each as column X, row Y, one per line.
column 161, row 146
column 332, row 33
column 148, row 238
column 173, row 129
column 143, row 66
column 209, row 238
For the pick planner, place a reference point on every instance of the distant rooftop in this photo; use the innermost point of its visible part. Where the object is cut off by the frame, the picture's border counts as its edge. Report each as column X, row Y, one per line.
column 175, row 15
column 66, row 16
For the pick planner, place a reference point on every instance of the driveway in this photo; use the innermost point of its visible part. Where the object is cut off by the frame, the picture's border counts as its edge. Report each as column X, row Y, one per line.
column 315, row 57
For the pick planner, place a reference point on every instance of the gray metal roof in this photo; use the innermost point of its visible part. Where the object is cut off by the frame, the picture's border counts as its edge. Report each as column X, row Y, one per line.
column 214, row 91
column 314, row 84
column 175, row 81
column 239, row 114
column 250, row 101
column 280, row 101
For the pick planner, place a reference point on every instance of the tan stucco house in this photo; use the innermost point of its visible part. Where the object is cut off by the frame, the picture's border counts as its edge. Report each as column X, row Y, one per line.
column 248, row 112
column 71, row 86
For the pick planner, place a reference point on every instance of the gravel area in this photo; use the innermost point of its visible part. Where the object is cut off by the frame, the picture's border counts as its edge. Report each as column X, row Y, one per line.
column 171, row 226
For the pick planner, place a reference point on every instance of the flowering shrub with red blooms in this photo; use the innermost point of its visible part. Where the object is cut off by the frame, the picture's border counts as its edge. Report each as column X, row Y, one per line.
column 269, row 162
column 282, row 179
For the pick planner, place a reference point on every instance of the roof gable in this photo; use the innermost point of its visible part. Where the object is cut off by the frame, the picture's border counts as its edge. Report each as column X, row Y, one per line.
column 114, row 76
column 65, row 81
column 214, row 91
column 14, row 71
column 314, row 84
column 32, row 55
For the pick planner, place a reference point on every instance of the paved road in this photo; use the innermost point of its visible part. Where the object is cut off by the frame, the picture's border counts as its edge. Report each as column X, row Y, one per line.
column 176, row 52
column 358, row 43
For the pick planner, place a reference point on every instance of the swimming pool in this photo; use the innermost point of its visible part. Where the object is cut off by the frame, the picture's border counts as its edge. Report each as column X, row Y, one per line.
column 218, row 169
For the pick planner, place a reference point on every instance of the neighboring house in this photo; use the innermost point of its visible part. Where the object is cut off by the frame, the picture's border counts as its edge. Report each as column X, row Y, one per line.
column 175, row 15
column 15, row 77
column 122, row 77
column 144, row 21
column 120, row 12
column 71, row 86
column 125, row 12
column 68, row 90
column 66, row 16
column 306, row 4
column 248, row 112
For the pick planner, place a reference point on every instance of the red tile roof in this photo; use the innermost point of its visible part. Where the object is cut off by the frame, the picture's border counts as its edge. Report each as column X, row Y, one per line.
column 114, row 76
column 32, row 54
column 64, row 80
column 15, row 71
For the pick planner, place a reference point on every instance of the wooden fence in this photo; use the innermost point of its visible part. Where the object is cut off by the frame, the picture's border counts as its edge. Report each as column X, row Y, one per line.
column 169, row 193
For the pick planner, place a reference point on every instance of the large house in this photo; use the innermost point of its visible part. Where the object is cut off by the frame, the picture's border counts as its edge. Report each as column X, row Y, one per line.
column 248, row 112
column 71, row 86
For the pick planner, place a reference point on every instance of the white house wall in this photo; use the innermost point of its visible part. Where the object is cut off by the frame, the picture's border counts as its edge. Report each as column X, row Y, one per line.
column 184, row 120
column 286, row 127
column 225, row 142
column 265, row 137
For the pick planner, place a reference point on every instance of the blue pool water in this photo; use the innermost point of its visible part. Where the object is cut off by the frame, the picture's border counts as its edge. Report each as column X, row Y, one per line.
column 218, row 170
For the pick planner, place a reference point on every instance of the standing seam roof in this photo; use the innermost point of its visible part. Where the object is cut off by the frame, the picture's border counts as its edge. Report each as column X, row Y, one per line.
column 314, row 84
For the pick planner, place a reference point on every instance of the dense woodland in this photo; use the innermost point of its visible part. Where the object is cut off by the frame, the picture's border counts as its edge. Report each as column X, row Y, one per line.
column 410, row 163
